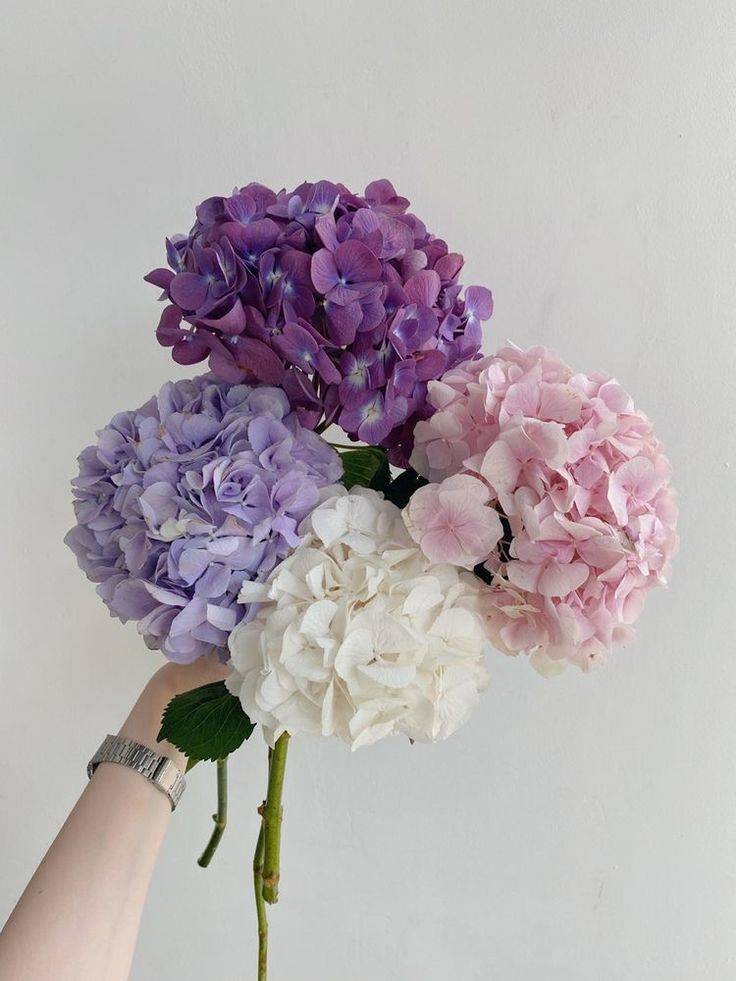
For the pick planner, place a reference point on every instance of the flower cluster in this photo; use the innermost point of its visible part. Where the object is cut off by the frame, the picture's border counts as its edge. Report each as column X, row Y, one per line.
column 181, row 501
column 346, row 301
column 359, row 635
column 559, row 488
column 533, row 512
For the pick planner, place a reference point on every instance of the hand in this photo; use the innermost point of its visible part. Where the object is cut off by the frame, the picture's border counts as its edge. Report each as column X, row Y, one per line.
column 144, row 722
column 173, row 679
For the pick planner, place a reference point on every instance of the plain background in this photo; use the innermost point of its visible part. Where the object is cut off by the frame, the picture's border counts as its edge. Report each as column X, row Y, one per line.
column 581, row 156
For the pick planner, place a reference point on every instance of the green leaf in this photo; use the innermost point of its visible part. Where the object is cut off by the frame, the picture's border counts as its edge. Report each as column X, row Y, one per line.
column 206, row 723
column 382, row 477
column 364, row 466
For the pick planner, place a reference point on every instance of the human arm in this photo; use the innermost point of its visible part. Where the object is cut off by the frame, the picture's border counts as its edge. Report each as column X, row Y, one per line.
column 78, row 918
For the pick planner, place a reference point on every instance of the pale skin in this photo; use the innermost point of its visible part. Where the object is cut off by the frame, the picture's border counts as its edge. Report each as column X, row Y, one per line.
column 78, row 918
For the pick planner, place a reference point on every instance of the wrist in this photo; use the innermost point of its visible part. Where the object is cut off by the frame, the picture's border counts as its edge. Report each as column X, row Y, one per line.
column 161, row 771
column 144, row 721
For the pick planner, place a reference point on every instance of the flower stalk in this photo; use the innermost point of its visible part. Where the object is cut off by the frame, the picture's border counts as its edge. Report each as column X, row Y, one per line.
column 220, row 817
column 272, row 818
column 260, row 903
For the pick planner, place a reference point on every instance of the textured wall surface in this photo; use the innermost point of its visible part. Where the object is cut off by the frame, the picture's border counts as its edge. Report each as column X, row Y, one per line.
column 581, row 156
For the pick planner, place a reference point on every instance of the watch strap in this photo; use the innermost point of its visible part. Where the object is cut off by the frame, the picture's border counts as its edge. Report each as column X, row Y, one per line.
column 160, row 770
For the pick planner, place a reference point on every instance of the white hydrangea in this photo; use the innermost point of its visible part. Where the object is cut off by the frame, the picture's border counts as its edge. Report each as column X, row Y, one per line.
column 359, row 635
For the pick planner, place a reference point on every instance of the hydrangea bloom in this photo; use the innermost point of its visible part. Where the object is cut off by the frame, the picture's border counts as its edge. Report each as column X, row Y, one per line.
column 181, row 501
column 579, row 483
column 359, row 635
column 347, row 301
column 453, row 522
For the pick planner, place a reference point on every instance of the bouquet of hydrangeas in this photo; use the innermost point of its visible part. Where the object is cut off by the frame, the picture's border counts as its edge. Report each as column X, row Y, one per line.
column 354, row 588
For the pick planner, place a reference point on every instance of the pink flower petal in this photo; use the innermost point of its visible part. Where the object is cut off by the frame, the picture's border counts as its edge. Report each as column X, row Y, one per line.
column 559, row 403
column 501, row 467
column 559, row 580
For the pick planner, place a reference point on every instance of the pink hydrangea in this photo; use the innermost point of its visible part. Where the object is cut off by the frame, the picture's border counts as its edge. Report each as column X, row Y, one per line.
column 452, row 521
column 568, row 482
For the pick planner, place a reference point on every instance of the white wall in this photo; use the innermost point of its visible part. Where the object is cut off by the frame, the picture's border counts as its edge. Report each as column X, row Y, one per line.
column 581, row 155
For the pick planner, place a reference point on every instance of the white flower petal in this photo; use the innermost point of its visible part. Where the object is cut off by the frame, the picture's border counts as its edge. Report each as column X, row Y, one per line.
column 389, row 675
column 253, row 592
column 316, row 621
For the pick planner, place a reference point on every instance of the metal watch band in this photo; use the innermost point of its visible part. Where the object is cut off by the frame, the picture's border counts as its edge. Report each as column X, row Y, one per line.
column 160, row 770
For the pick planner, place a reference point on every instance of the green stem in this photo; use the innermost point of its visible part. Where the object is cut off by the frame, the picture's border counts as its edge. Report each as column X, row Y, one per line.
column 272, row 818
column 260, row 904
column 220, row 818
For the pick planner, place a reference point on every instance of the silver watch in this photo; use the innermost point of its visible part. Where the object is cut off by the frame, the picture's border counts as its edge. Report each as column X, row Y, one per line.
column 160, row 770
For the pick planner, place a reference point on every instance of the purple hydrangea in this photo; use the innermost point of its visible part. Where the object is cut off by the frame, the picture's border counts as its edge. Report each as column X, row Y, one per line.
column 180, row 501
column 347, row 301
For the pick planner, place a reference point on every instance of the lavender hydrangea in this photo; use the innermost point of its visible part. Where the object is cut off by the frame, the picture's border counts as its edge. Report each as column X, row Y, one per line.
column 345, row 300
column 182, row 500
